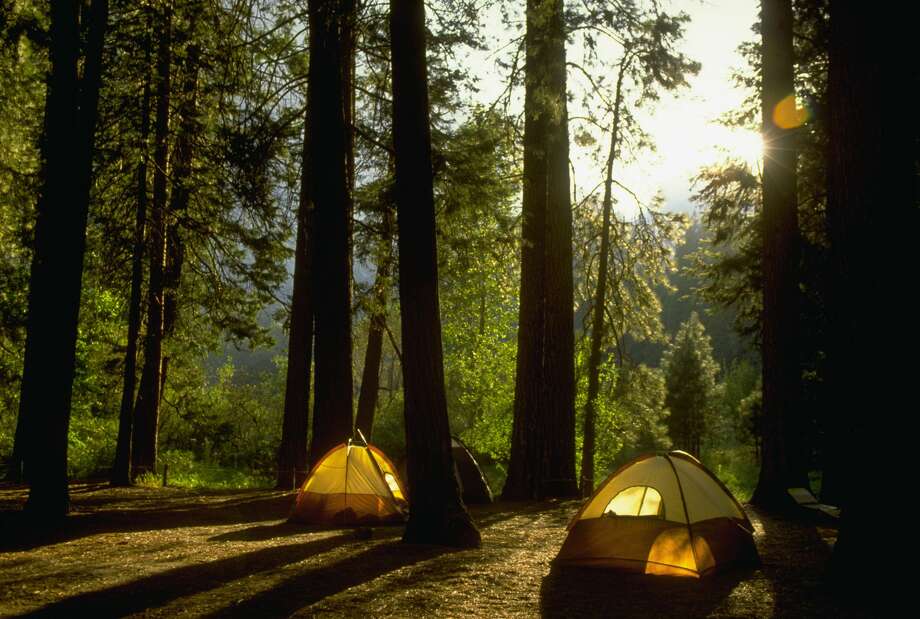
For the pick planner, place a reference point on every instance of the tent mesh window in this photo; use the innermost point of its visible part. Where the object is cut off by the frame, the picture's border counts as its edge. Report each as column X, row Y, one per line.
column 391, row 482
column 636, row 501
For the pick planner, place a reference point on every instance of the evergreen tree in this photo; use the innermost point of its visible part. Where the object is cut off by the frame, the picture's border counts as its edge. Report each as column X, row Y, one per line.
column 147, row 408
column 873, row 215
column 690, row 376
column 648, row 63
column 292, row 453
column 121, row 468
column 437, row 514
column 60, row 242
column 782, row 462
column 330, row 190
column 543, row 436
column 370, row 375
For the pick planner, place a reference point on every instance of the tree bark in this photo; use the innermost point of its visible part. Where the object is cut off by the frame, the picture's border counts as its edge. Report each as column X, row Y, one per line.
column 558, row 477
column 522, row 481
column 57, row 264
column 146, row 412
column 872, row 221
column 543, row 434
column 437, row 514
column 292, row 454
column 370, row 375
column 782, row 464
column 121, row 469
column 332, row 408
column 600, row 299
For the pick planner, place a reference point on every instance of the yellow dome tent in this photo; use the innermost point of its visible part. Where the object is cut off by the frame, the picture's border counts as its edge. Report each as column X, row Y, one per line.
column 353, row 484
column 660, row 514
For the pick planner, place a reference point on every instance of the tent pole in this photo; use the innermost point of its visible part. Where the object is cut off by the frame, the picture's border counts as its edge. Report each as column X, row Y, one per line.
column 345, row 508
column 683, row 500
column 370, row 452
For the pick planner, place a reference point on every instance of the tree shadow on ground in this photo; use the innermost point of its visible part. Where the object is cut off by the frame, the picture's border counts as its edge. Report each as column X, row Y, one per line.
column 597, row 592
column 312, row 585
column 500, row 511
column 284, row 528
column 159, row 589
column 94, row 515
column 795, row 549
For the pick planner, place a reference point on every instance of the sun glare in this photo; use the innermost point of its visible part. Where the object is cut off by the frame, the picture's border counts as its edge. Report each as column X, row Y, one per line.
column 694, row 147
column 741, row 144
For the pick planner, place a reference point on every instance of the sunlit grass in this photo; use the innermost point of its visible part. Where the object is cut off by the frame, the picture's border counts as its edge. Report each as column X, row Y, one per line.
column 736, row 467
column 184, row 472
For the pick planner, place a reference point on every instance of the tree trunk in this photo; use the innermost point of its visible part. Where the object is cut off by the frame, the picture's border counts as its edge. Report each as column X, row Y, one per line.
column 292, row 454
column 782, row 465
column 147, row 409
column 437, row 514
column 121, row 469
column 57, row 264
column 600, row 299
column 370, row 376
column 872, row 221
column 181, row 173
column 522, row 481
column 558, row 478
column 543, row 434
column 332, row 408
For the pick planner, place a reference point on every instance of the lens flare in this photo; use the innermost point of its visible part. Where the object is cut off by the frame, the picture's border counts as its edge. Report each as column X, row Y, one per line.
column 787, row 116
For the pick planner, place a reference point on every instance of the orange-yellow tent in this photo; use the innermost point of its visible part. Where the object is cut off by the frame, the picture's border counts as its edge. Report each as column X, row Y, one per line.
column 660, row 514
column 353, row 484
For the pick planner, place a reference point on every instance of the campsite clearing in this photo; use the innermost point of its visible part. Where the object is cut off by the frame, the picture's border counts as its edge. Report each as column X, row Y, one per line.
column 166, row 552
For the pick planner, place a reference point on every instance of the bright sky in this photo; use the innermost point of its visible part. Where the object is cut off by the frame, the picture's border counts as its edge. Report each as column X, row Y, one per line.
column 683, row 125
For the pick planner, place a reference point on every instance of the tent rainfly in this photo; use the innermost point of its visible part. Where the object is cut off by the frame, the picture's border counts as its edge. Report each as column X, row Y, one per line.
column 353, row 484
column 662, row 514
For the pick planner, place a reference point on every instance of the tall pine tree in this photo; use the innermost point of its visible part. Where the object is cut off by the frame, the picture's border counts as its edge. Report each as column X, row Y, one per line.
column 437, row 514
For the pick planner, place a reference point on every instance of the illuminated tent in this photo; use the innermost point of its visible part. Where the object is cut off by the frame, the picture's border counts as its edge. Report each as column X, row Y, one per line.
column 660, row 514
column 353, row 484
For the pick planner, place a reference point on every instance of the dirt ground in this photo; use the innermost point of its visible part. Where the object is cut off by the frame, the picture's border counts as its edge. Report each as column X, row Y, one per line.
column 171, row 552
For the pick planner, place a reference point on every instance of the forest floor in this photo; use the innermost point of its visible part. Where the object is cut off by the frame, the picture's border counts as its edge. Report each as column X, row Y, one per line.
column 166, row 552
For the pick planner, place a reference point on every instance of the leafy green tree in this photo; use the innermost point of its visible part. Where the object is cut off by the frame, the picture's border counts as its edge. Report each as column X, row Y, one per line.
column 690, row 376
column 23, row 65
column 732, row 422
column 649, row 62
column 475, row 192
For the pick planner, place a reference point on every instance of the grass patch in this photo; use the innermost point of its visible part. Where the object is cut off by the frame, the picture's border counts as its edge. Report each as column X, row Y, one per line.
column 182, row 471
column 736, row 467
